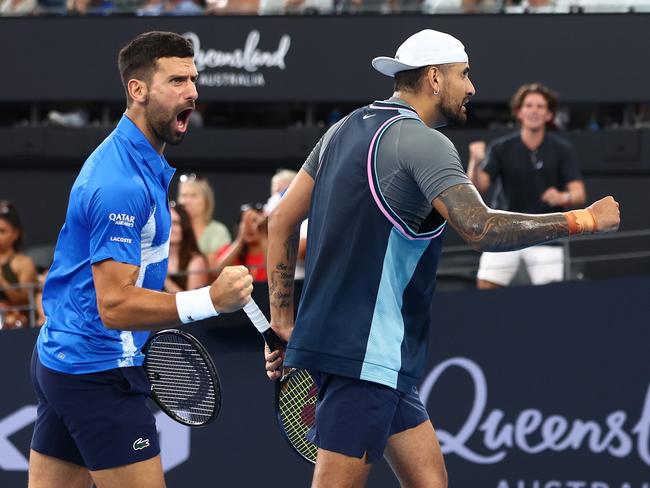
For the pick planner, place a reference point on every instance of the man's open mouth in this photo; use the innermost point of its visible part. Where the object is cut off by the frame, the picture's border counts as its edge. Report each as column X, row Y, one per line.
column 183, row 119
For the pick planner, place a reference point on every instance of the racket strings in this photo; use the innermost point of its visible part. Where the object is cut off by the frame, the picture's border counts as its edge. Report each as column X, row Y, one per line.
column 297, row 410
column 181, row 379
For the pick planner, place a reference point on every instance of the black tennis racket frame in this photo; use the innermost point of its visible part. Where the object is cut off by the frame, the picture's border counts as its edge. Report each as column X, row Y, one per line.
column 212, row 370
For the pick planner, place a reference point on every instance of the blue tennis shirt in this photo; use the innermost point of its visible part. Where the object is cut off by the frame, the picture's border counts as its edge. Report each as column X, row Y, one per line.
column 119, row 210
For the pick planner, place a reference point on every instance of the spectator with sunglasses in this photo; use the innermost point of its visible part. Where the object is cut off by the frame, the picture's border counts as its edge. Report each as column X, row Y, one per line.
column 538, row 173
column 16, row 269
column 197, row 197
column 249, row 247
column 187, row 268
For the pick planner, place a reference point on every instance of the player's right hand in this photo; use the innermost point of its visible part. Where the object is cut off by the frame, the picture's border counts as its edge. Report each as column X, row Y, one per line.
column 607, row 214
column 232, row 289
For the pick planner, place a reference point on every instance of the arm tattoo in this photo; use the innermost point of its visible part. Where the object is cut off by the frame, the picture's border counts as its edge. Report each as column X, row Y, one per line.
column 485, row 229
column 281, row 287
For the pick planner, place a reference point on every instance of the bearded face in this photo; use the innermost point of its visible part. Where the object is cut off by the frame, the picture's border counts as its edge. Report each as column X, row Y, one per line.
column 170, row 98
column 455, row 92
column 453, row 110
column 169, row 124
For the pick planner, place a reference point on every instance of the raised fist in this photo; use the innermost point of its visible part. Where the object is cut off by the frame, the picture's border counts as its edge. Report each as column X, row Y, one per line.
column 606, row 213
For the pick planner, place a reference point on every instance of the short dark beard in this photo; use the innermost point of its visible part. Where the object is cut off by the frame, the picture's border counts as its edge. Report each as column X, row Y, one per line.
column 162, row 128
column 164, row 133
column 453, row 117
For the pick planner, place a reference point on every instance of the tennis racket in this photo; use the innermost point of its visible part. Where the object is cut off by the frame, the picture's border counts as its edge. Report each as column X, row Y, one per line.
column 184, row 380
column 295, row 393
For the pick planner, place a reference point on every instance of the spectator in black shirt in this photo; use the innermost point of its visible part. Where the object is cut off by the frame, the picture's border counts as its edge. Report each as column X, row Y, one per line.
column 537, row 172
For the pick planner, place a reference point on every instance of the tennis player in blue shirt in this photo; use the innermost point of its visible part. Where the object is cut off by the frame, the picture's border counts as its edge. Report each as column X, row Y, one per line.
column 102, row 294
column 380, row 187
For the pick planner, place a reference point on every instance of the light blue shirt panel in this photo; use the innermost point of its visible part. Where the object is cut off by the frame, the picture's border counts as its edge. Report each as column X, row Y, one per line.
column 387, row 328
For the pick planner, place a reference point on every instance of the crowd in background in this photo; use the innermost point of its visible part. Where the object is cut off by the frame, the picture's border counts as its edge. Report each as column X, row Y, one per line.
column 272, row 7
column 529, row 170
column 199, row 248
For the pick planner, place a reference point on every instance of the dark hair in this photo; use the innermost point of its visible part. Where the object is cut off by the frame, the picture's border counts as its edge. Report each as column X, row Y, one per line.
column 409, row 80
column 9, row 213
column 262, row 227
column 138, row 58
column 188, row 248
column 524, row 90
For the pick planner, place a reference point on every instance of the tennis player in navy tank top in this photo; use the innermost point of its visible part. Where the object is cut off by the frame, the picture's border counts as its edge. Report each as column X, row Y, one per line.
column 379, row 189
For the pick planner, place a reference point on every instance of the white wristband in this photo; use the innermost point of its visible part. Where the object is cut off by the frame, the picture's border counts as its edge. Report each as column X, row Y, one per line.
column 195, row 305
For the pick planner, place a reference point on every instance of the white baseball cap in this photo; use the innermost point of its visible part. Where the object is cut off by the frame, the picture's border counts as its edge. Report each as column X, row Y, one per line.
column 424, row 48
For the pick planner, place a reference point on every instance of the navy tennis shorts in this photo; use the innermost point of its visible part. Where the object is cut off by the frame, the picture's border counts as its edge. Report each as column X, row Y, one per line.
column 354, row 417
column 97, row 420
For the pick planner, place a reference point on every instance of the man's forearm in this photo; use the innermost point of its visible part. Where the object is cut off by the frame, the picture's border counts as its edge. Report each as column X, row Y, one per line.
column 281, row 266
column 485, row 229
column 136, row 308
column 506, row 231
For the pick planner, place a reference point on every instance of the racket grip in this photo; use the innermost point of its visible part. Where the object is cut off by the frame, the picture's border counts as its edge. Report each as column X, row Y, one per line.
column 273, row 341
column 262, row 325
column 257, row 317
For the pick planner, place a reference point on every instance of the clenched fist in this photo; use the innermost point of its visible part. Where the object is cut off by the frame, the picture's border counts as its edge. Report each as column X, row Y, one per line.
column 606, row 214
column 232, row 289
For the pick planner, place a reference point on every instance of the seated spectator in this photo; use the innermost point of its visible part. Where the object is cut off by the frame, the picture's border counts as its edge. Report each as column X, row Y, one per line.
column 272, row 7
column 187, row 268
column 249, row 247
column 151, row 7
column 610, row 6
column 11, row 8
column 88, row 7
column 279, row 185
column 197, row 198
column 15, row 269
column 457, row 6
column 76, row 117
column 538, row 7
column 232, row 7
column 181, row 7
column 363, row 6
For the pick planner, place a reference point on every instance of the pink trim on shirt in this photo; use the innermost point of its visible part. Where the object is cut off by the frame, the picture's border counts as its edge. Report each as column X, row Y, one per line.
column 375, row 195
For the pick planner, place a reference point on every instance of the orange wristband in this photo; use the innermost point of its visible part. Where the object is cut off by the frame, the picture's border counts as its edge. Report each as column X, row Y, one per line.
column 581, row 221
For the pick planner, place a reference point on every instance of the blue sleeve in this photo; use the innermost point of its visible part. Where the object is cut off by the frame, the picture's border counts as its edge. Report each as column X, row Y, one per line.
column 116, row 215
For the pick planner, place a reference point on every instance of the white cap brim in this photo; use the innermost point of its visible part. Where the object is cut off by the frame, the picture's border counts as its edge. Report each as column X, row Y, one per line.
column 389, row 66
column 425, row 48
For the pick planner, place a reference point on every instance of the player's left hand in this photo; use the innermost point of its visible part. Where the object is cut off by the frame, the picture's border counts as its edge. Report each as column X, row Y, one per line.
column 274, row 360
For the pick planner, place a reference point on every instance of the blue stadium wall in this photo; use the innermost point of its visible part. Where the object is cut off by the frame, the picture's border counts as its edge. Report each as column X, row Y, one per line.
column 544, row 387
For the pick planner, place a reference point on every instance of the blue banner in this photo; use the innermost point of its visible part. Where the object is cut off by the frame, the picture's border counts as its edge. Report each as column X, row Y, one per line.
column 531, row 387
